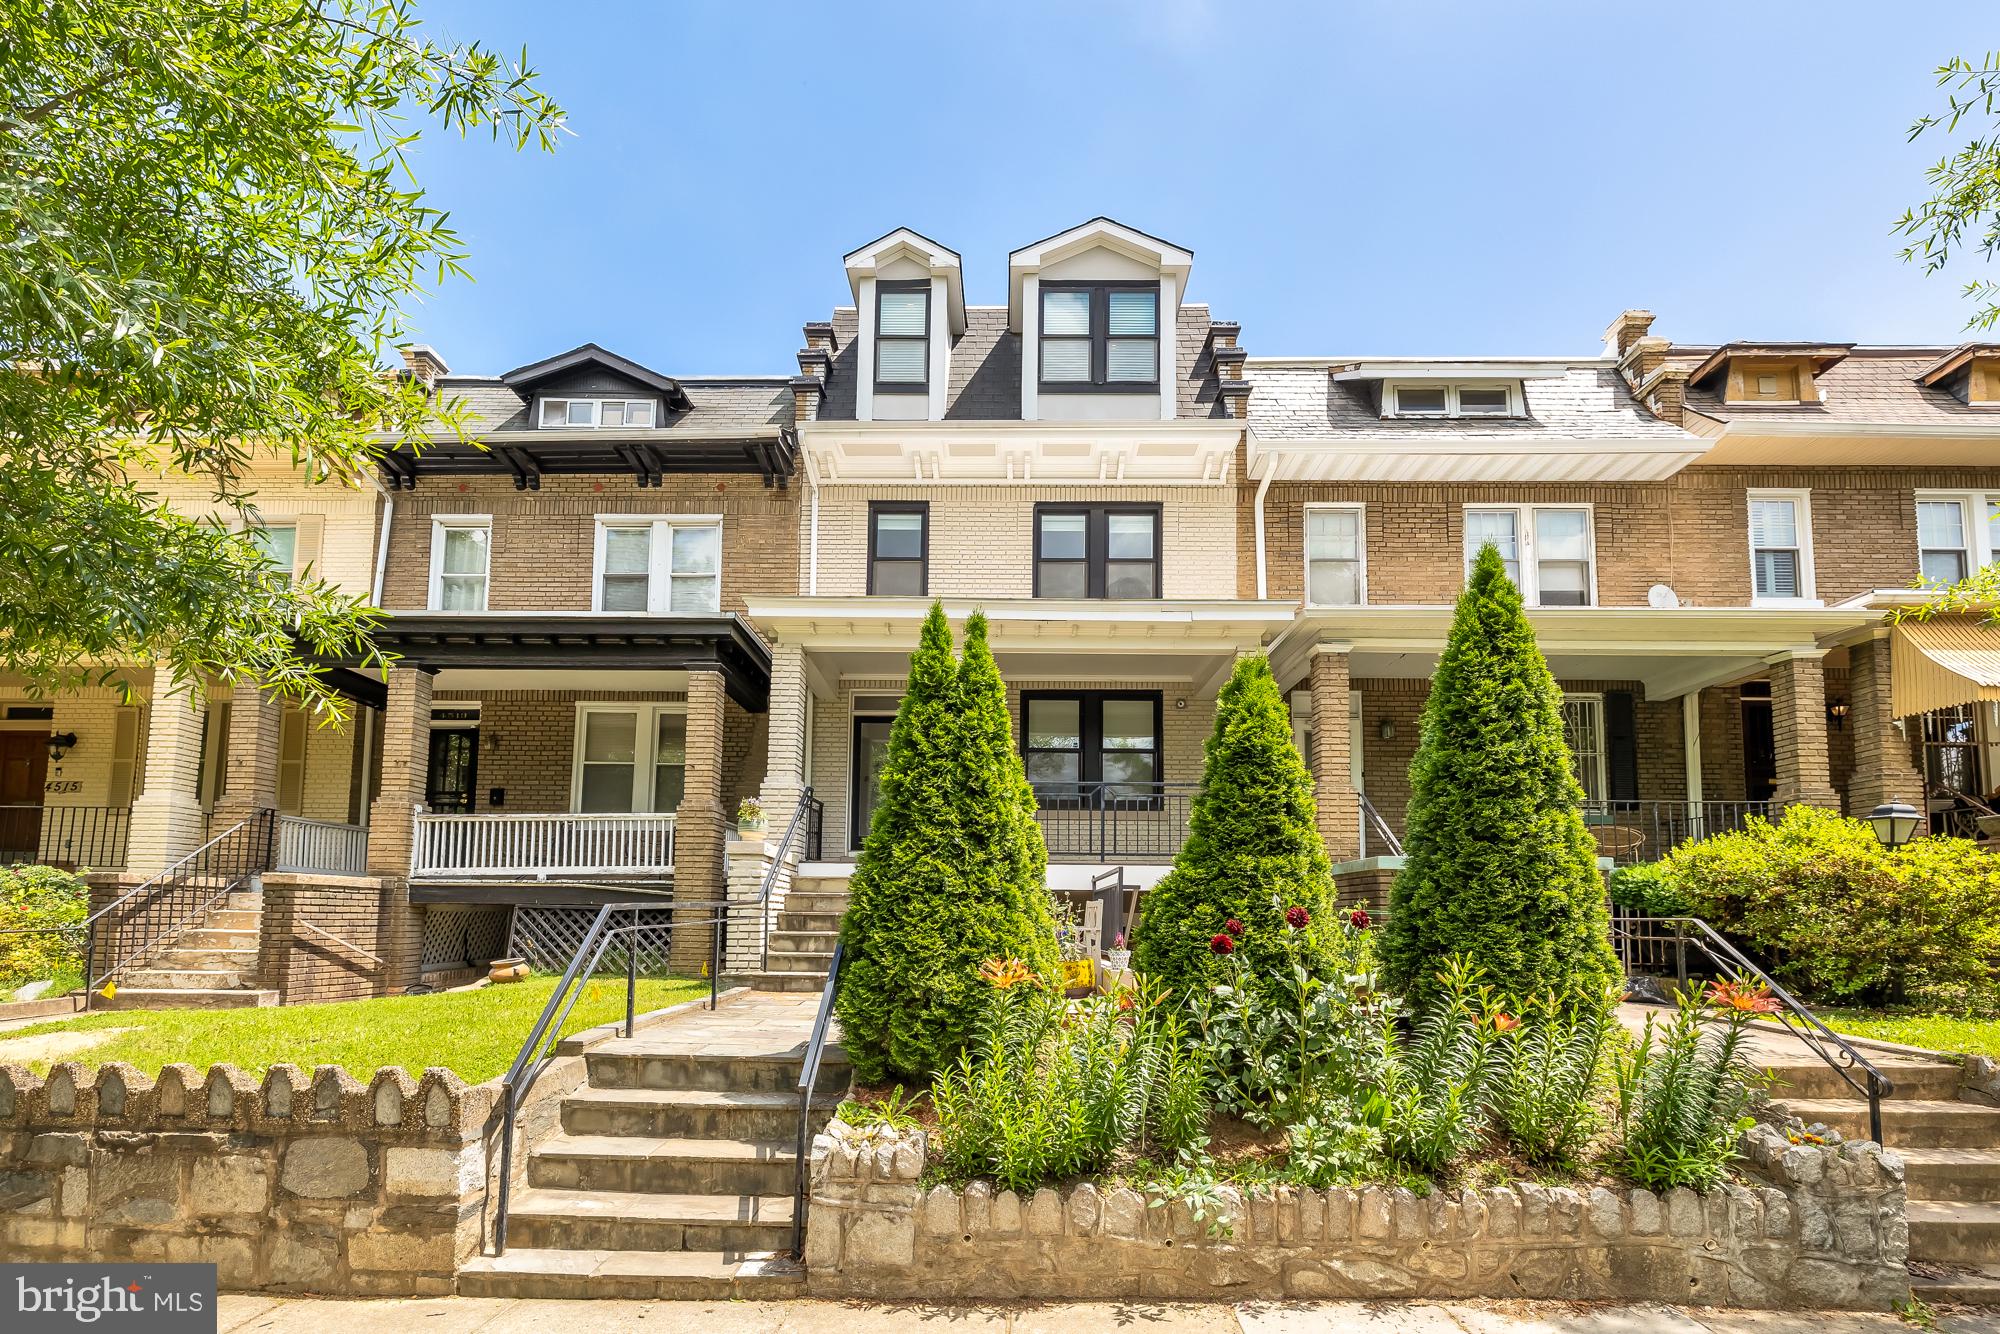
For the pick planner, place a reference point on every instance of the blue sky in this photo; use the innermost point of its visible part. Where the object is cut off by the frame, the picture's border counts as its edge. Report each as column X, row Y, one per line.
column 1352, row 178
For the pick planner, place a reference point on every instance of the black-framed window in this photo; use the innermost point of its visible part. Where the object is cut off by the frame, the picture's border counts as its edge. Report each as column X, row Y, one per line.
column 1097, row 551
column 1100, row 338
column 1073, row 740
column 902, row 336
column 899, row 547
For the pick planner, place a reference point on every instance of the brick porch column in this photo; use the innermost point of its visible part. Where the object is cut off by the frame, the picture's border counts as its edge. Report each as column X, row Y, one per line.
column 1798, row 727
column 1332, row 751
column 701, row 825
column 250, row 771
column 406, row 738
column 1884, row 768
column 166, row 815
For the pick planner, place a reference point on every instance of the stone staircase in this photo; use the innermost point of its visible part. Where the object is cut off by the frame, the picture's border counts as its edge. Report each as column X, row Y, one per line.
column 673, row 1172
column 1950, row 1148
column 211, row 965
column 803, row 936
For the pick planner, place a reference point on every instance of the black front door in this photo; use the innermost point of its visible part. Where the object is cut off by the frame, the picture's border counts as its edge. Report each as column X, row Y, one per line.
column 1760, row 750
column 454, row 770
column 871, row 752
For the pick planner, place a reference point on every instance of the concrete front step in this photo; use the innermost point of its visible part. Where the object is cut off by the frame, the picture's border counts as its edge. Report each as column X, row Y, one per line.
column 183, row 979
column 665, row 1275
column 582, row 1220
column 1925, row 1123
column 1934, row 1081
column 1961, row 1287
column 1954, row 1233
column 783, row 961
column 1952, row 1174
column 612, row 1065
column 233, row 919
column 180, row 956
column 664, row 1166
column 816, row 922
column 815, row 943
column 831, row 905
column 183, row 998
column 793, row 982
column 692, row 1113
column 218, row 938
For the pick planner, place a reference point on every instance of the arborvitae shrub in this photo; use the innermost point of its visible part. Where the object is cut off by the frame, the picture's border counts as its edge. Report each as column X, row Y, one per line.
column 952, row 872
column 1499, row 866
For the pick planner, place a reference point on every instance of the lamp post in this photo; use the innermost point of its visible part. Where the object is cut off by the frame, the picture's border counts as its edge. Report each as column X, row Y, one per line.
column 1895, row 822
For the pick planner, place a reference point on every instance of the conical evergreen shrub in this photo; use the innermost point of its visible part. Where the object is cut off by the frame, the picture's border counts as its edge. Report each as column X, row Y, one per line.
column 1499, row 866
column 1252, row 852
column 952, row 870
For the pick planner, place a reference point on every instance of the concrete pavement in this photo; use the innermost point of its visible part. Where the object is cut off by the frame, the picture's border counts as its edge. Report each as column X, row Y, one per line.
column 462, row 1315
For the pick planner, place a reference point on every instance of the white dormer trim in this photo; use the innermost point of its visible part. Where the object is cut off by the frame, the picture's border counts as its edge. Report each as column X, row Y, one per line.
column 1025, row 268
column 907, row 255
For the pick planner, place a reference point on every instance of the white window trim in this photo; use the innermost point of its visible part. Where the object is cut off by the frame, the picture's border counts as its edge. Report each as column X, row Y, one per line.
column 1361, row 547
column 645, row 751
column 440, row 523
column 1391, row 408
column 596, row 413
column 1808, row 585
column 1978, row 507
column 1603, row 765
column 659, row 562
column 1524, row 531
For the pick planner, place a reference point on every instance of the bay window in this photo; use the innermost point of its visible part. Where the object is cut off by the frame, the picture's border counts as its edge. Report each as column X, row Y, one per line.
column 651, row 564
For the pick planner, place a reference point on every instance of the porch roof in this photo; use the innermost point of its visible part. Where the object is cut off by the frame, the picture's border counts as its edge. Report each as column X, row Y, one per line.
column 1670, row 651
column 436, row 641
column 1937, row 664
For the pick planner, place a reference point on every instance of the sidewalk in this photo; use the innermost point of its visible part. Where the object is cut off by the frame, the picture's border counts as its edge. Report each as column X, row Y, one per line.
column 461, row 1315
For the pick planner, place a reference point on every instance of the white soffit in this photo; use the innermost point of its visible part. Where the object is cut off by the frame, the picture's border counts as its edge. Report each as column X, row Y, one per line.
column 1048, row 625
column 1176, row 453
column 1761, row 440
column 1455, row 457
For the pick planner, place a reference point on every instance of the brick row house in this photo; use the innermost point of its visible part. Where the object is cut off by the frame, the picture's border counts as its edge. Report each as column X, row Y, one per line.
column 639, row 598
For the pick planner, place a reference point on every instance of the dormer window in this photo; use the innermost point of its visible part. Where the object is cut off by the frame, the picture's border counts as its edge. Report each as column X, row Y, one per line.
column 902, row 336
column 596, row 413
column 1101, row 337
column 1431, row 399
column 1780, row 374
column 1770, row 382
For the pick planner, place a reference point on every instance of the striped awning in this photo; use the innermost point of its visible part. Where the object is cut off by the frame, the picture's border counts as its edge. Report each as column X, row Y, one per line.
column 1941, row 663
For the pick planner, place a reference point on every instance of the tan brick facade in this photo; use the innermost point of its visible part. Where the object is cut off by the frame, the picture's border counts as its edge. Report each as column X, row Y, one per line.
column 1338, row 804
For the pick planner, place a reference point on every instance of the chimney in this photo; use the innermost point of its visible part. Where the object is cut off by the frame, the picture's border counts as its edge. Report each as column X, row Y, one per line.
column 1228, row 359
column 1666, row 394
column 424, row 363
column 1627, row 329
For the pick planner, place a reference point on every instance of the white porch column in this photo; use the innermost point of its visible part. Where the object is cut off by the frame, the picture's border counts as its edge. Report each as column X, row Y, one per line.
column 1691, row 756
column 166, row 815
column 784, row 783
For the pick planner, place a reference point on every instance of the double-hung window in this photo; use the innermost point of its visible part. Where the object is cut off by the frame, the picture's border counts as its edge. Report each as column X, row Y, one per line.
column 1781, row 565
column 629, row 757
column 898, row 548
column 1097, row 551
column 461, row 551
column 1335, row 559
column 596, row 413
column 1102, row 337
column 1956, row 534
column 654, row 564
column 902, row 336
column 1073, row 741
column 1549, row 550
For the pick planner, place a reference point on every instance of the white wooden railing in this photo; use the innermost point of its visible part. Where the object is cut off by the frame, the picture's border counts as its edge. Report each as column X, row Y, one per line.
column 542, row 845
column 321, row 847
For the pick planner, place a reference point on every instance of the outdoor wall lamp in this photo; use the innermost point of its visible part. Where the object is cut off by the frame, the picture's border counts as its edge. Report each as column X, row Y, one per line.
column 1386, row 729
column 60, row 744
column 1836, row 712
column 1895, row 822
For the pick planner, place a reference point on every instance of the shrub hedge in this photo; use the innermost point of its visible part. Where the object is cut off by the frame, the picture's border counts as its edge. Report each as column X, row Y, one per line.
column 41, row 896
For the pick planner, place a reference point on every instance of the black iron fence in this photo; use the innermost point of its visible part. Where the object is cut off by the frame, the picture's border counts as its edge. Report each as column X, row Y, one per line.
column 127, row 930
column 72, row 837
column 1630, row 832
column 1095, row 821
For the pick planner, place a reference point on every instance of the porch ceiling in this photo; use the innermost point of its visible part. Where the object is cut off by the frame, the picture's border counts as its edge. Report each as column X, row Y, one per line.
column 530, row 642
column 1668, row 651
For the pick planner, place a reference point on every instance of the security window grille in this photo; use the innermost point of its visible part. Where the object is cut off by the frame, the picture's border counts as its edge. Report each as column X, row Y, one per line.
column 1103, row 338
column 902, row 341
column 1583, row 729
column 1097, row 551
column 898, row 548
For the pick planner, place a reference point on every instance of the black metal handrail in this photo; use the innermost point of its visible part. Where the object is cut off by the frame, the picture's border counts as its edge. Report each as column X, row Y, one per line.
column 544, row 1040
column 178, row 897
column 1839, row 1055
column 1107, row 820
column 806, row 819
column 68, row 836
column 808, row 1085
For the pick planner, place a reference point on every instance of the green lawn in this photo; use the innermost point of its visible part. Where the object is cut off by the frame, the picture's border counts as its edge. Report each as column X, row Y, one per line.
column 475, row 1033
column 1938, row 1032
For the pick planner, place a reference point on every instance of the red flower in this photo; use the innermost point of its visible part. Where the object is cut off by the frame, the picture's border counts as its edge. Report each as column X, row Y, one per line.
column 1359, row 919
column 1297, row 917
column 1221, row 944
column 1233, row 927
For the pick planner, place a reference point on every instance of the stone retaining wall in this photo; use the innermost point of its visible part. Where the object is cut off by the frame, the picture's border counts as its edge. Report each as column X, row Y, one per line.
column 1821, row 1227
column 292, row 1183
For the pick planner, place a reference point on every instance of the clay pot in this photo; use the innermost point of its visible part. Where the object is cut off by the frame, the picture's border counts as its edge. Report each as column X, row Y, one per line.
column 507, row 970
